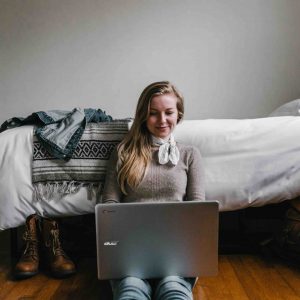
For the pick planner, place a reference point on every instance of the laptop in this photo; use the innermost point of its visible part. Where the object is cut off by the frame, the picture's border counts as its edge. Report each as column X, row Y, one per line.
column 154, row 240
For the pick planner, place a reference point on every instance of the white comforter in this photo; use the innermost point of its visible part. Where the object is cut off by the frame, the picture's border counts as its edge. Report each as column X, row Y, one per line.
column 249, row 162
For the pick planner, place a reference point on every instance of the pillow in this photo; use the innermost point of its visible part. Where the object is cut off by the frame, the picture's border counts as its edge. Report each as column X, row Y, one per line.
column 291, row 108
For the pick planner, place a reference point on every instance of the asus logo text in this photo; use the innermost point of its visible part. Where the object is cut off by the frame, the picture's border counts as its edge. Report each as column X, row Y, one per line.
column 112, row 243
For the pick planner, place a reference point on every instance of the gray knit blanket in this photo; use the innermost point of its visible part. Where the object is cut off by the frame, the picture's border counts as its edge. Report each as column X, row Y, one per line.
column 52, row 178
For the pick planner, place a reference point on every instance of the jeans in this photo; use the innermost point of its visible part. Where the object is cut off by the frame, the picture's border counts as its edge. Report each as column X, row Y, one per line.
column 171, row 287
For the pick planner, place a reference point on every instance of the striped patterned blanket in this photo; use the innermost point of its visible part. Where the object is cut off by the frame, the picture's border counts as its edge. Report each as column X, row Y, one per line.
column 54, row 177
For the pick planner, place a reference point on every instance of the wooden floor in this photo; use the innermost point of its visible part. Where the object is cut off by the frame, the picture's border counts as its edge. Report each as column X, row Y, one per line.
column 241, row 277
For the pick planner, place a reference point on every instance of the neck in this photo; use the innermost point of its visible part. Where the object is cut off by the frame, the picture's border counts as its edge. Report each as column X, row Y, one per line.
column 165, row 138
column 159, row 140
column 167, row 151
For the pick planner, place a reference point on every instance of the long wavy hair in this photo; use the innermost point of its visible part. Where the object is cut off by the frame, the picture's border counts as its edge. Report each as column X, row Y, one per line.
column 134, row 152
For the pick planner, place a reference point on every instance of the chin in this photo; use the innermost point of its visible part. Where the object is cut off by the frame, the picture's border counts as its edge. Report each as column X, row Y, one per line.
column 163, row 135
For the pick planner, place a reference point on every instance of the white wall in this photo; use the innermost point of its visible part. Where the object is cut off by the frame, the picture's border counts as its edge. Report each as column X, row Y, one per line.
column 231, row 59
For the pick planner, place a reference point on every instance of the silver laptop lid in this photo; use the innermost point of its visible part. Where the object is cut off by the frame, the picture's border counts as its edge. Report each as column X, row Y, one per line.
column 154, row 240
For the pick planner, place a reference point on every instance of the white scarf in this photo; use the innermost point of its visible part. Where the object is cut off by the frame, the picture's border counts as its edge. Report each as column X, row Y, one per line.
column 168, row 150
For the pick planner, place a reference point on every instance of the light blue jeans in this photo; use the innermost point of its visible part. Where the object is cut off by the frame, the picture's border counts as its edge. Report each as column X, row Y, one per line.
column 171, row 287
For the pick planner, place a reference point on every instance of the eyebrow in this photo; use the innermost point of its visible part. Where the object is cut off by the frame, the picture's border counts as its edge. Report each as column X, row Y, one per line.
column 170, row 108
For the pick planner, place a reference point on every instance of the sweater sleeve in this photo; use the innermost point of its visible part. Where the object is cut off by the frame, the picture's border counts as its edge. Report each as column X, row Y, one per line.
column 112, row 192
column 195, row 177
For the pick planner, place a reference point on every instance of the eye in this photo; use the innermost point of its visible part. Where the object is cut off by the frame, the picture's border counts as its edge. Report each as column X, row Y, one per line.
column 152, row 113
column 169, row 113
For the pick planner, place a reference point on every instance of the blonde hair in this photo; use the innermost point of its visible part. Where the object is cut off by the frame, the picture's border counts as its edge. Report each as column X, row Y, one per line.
column 134, row 152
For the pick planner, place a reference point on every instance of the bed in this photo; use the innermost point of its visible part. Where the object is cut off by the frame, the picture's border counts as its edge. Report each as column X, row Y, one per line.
column 248, row 162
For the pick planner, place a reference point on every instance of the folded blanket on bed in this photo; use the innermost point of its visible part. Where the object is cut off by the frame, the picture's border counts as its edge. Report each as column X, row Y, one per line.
column 53, row 178
column 59, row 131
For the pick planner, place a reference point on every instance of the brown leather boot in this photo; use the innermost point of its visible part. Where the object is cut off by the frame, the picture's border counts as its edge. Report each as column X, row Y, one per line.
column 28, row 264
column 59, row 263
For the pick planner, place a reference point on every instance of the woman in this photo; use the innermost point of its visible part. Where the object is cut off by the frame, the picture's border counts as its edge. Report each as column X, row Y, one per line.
column 149, row 166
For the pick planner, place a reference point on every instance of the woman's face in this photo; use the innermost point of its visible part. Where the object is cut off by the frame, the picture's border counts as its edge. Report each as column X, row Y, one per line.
column 163, row 115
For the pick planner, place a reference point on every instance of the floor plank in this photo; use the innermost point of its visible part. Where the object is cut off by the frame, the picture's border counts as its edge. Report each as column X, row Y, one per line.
column 251, row 281
column 291, row 276
column 231, row 280
column 225, row 285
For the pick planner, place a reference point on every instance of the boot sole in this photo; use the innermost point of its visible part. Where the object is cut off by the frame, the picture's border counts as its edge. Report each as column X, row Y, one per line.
column 24, row 275
column 60, row 275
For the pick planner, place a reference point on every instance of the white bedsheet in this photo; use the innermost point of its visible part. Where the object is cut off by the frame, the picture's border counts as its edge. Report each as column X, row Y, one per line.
column 249, row 162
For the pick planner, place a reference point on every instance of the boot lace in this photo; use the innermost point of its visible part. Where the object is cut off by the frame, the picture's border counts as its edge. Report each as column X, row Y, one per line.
column 31, row 244
column 56, row 245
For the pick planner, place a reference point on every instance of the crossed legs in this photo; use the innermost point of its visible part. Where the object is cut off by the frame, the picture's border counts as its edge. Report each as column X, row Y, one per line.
column 171, row 287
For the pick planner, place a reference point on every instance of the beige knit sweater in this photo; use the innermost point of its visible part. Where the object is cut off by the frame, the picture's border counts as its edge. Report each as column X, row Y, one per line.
column 161, row 183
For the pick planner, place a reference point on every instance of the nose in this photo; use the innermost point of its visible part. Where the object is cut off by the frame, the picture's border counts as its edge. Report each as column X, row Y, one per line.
column 162, row 118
